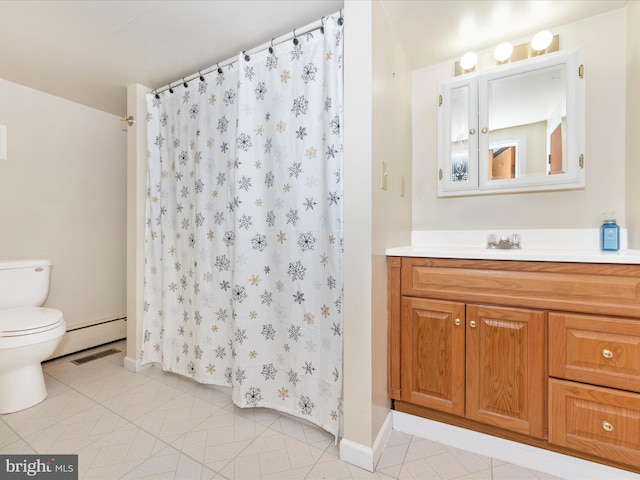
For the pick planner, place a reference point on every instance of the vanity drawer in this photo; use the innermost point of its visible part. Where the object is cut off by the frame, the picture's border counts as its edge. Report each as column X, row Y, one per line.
column 598, row 350
column 602, row 289
column 595, row 420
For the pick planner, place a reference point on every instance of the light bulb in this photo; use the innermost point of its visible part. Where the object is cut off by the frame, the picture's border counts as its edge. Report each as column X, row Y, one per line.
column 541, row 40
column 469, row 60
column 503, row 52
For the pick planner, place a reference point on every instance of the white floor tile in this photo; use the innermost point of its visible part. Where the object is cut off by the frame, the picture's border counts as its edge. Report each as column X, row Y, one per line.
column 156, row 425
column 11, row 443
column 171, row 464
column 508, row 471
column 77, row 431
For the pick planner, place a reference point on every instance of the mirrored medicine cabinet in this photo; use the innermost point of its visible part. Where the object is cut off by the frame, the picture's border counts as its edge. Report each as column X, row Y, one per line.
column 513, row 128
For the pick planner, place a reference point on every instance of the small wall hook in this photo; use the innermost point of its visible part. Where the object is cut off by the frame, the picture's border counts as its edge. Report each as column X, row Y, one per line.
column 130, row 120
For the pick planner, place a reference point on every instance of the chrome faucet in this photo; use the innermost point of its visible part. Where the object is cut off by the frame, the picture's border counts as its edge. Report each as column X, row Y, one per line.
column 505, row 242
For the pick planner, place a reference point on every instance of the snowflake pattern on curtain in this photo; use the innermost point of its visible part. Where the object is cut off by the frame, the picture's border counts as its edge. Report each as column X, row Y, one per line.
column 243, row 261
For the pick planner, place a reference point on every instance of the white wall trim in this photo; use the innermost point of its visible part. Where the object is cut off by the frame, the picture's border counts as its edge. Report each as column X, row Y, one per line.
column 563, row 466
column 363, row 456
column 90, row 336
column 135, row 365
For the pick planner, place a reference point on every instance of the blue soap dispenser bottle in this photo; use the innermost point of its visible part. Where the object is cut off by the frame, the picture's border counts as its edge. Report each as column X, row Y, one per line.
column 609, row 233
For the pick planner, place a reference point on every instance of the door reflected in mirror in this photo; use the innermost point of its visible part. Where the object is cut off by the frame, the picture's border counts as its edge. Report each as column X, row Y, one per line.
column 503, row 162
column 531, row 105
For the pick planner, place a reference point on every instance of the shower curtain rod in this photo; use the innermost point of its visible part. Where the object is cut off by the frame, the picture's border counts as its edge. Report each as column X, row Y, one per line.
column 274, row 41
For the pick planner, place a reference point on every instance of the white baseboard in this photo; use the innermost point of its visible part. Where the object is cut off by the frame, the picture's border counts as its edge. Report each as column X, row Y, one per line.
column 135, row 365
column 91, row 336
column 363, row 456
column 563, row 466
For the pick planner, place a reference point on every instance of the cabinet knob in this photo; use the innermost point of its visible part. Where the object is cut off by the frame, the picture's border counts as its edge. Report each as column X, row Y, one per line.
column 607, row 427
column 473, row 324
column 485, row 130
column 607, row 353
column 457, row 322
column 472, row 131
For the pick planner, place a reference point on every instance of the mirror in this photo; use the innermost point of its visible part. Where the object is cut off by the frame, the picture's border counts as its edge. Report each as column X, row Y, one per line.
column 525, row 112
column 523, row 131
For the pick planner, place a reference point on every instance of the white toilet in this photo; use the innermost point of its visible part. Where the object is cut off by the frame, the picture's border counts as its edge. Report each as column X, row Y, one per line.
column 28, row 334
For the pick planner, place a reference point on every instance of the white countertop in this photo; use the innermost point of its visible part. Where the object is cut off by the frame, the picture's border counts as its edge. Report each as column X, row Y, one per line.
column 531, row 254
column 577, row 245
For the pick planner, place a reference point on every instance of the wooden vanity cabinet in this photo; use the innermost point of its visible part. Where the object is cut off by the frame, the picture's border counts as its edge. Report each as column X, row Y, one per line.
column 543, row 353
column 482, row 362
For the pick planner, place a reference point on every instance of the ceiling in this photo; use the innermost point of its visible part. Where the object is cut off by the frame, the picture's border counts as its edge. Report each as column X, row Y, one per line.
column 88, row 51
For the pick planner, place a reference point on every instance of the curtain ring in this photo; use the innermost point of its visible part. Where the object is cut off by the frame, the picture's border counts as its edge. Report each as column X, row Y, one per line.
column 201, row 77
column 157, row 94
column 246, row 57
column 271, row 47
column 185, row 84
column 219, row 69
column 295, row 39
column 170, row 89
column 322, row 26
column 341, row 19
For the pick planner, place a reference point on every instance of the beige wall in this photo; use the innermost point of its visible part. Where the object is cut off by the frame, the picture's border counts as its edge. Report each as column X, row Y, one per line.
column 378, row 121
column 391, row 218
column 605, row 39
column 633, row 124
column 357, row 367
column 63, row 197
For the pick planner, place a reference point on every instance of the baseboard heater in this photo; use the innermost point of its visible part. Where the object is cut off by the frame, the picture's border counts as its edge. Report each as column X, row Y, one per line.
column 91, row 335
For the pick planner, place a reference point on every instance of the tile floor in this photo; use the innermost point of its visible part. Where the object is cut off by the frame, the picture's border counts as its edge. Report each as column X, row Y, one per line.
column 156, row 425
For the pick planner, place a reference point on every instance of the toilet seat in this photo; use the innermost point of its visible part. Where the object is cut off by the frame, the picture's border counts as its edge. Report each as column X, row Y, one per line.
column 22, row 321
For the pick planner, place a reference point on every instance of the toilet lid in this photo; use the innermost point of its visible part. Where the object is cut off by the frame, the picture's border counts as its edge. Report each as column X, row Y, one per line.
column 28, row 320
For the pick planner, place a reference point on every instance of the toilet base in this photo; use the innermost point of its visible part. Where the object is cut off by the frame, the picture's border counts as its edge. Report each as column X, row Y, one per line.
column 22, row 388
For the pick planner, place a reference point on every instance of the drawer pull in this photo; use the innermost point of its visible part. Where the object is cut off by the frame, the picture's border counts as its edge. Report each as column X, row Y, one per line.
column 473, row 324
column 607, row 353
column 607, row 427
column 457, row 322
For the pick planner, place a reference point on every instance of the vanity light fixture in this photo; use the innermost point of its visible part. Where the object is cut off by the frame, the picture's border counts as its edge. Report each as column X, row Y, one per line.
column 541, row 41
column 469, row 60
column 544, row 42
column 503, row 52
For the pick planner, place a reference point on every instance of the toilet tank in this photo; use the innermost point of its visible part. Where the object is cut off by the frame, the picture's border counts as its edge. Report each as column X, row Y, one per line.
column 24, row 283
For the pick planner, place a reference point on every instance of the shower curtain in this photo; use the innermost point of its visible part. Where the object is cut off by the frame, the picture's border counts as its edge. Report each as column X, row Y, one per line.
column 243, row 260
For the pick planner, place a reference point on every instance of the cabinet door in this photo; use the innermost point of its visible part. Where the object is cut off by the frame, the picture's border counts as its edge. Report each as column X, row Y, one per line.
column 506, row 368
column 458, row 136
column 432, row 356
